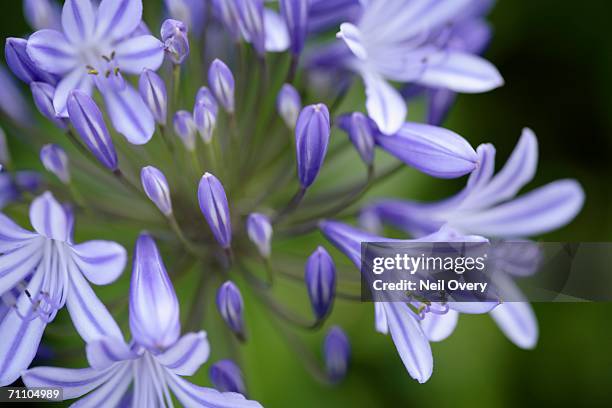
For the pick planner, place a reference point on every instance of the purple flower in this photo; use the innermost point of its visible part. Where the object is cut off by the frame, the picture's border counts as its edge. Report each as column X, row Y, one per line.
column 230, row 306
column 226, row 376
column 41, row 272
column 42, row 93
column 20, row 63
column 55, row 160
column 156, row 188
column 185, row 128
column 311, row 140
column 227, row 11
column 89, row 124
column 361, row 131
column 320, row 278
column 214, row 206
column 327, row 14
column 154, row 307
column 433, row 150
column 337, row 352
column 154, row 365
column 95, row 46
column 288, row 105
column 153, row 92
column 42, row 14
column 259, row 230
column 221, row 82
column 251, row 14
column 407, row 32
column 176, row 42
column 295, row 14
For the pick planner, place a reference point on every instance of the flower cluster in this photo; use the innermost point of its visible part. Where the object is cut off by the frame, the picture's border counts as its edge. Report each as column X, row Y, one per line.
column 224, row 141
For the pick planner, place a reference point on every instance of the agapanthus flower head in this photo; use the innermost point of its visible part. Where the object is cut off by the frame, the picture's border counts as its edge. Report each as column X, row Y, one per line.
column 289, row 105
column 320, row 279
column 42, row 94
column 311, row 141
column 185, row 129
column 176, row 41
column 259, row 229
column 295, row 15
column 226, row 376
column 89, row 123
column 154, row 307
column 42, row 14
column 361, row 131
column 231, row 306
column 55, row 160
column 153, row 91
column 337, row 352
column 214, row 206
column 221, row 83
column 156, row 188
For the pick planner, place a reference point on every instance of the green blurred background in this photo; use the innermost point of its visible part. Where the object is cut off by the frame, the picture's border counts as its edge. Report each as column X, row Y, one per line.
column 556, row 58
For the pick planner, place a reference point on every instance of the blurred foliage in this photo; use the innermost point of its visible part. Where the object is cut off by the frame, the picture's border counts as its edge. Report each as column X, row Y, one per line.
column 556, row 58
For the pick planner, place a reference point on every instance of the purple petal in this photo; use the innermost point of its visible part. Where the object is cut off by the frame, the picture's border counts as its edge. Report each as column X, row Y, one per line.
column 518, row 322
column 156, row 188
column 380, row 318
column 55, row 160
column 410, row 341
column 231, row 306
column 154, row 307
column 118, row 18
column 295, row 14
column 19, row 263
column 461, row 72
column 112, row 391
column 438, row 327
column 48, row 218
column 384, row 103
column 473, row 307
column 320, row 279
column 221, row 82
column 277, row 36
column 351, row 35
column 41, row 14
column 12, row 102
column 42, row 94
column 251, row 17
column 289, row 105
column 74, row 382
column 337, row 352
column 51, row 52
column 191, row 395
column 12, row 235
column 139, row 53
column 130, row 115
column 439, row 102
column 153, row 92
column 105, row 352
column 78, row 20
column 20, row 63
column 348, row 239
column 77, row 80
column 430, row 149
column 518, row 171
column 311, row 141
column 100, row 261
column 185, row 128
column 226, row 376
column 539, row 211
column 259, row 230
column 89, row 316
column 214, row 206
column 187, row 355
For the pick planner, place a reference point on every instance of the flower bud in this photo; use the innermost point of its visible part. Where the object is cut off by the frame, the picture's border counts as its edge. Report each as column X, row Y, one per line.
column 42, row 93
column 226, row 376
column 251, row 14
column 320, row 278
column 433, row 150
column 185, row 128
column 205, row 120
column 259, row 230
column 20, row 63
column 5, row 157
column 156, row 188
column 227, row 10
column 176, row 42
column 89, row 124
column 311, row 140
column 288, row 105
column 361, row 130
column 221, row 82
column 213, row 204
column 154, row 308
column 41, row 14
column 153, row 91
column 337, row 351
column 55, row 160
column 295, row 15
column 230, row 306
